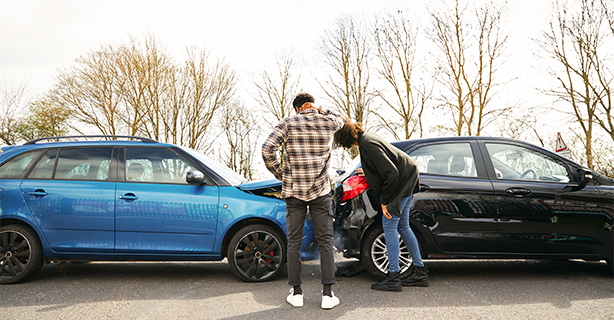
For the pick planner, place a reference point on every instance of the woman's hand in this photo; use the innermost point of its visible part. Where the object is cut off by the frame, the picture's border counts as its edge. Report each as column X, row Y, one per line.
column 385, row 212
column 360, row 172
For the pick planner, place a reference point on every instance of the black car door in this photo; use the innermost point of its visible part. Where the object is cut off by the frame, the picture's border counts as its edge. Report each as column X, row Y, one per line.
column 457, row 204
column 537, row 213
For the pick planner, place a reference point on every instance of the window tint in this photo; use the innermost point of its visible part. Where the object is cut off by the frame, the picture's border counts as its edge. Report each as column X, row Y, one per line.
column 44, row 167
column 159, row 165
column 454, row 159
column 84, row 164
column 15, row 167
column 519, row 163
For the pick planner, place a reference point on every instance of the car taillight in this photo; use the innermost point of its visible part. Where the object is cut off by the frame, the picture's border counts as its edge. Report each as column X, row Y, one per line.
column 353, row 186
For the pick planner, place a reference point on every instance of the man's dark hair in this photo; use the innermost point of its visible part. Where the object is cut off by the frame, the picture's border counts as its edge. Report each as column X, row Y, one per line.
column 301, row 98
column 348, row 134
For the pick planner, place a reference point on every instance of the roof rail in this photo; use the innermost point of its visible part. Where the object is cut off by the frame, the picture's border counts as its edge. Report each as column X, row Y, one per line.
column 146, row 140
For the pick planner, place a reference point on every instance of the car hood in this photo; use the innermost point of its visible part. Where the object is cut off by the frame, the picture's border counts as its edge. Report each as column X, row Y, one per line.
column 260, row 184
column 266, row 188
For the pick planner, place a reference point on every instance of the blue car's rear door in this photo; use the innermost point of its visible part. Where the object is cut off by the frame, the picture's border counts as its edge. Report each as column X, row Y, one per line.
column 73, row 205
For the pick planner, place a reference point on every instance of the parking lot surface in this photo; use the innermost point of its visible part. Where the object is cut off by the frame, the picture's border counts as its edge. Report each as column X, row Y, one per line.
column 460, row 289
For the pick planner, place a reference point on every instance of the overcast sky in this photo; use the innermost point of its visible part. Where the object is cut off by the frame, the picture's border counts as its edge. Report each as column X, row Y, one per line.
column 38, row 36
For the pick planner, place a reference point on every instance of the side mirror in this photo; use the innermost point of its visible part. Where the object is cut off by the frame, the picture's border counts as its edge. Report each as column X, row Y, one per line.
column 195, row 177
column 584, row 177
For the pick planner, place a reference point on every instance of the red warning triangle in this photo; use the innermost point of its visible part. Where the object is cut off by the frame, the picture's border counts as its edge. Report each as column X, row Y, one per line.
column 560, row 145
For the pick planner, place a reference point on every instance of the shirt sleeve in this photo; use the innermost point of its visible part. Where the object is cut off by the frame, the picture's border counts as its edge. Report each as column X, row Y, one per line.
column 336, row 117
column 270, row 147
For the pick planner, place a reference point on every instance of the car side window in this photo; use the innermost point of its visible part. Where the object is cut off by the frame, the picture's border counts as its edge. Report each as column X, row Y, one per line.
column 15, row 168
column 453, row 159
column 157, row 165
column 83, row 164
column 44, row 167
column 519, row 163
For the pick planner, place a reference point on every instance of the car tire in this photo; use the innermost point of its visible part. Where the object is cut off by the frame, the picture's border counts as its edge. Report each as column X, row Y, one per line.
column 257, row 253
column 374, row 255
column 21, row 254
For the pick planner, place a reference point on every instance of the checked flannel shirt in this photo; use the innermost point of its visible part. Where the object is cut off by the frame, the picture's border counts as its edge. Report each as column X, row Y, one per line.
column 308, row 140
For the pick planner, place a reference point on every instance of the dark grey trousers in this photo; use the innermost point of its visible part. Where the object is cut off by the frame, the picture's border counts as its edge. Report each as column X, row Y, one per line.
column 322, row 218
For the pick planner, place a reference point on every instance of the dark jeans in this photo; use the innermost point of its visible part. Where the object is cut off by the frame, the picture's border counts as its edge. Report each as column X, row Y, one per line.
column 322, row 218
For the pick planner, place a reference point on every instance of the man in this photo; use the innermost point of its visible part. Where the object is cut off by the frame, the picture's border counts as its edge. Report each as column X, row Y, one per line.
column 307, row 137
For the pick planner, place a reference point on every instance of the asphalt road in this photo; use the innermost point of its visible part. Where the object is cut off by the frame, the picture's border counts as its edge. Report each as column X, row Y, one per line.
column 208, row 290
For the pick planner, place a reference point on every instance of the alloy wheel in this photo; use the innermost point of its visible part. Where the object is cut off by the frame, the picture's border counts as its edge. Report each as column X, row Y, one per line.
column 379, row 255
column 15, row 253
column 258, row 255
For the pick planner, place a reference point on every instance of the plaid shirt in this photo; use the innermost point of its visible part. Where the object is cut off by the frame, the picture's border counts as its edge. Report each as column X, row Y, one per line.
column 308, row 139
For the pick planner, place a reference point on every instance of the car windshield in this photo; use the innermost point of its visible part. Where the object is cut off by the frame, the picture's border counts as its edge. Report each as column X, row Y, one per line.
column 232, row 177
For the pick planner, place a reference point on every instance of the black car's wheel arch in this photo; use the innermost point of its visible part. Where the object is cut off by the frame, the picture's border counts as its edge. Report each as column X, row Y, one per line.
column 375, row 222
column 243, row 223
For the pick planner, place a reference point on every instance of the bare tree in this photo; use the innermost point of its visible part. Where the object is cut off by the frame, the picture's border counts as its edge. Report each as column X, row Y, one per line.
column 144, row 76
column 604, row 114
column 346, row 48
column 242, row 132
column 90, row 89
column 573, row 43
column 275, row 91
column 472, row 50
column 523, row 126
column 207, row 86
column 11, row 105
column 395, row 40
column 137, row 89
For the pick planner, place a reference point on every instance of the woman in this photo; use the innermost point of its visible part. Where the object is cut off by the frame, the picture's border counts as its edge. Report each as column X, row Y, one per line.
column 393, row 175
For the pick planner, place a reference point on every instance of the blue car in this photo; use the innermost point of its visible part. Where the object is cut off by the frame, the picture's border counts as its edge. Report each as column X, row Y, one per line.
column 135, row 199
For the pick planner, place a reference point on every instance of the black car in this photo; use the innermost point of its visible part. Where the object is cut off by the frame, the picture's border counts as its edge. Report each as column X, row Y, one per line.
column 487, row 198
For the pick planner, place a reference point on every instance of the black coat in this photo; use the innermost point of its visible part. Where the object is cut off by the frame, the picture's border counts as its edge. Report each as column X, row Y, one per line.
column 390, row 172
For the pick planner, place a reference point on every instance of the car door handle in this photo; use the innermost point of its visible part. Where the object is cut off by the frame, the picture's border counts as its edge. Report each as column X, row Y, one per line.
column 424, row 187
column 129, row 197
column 519, row 192
column 38, row 193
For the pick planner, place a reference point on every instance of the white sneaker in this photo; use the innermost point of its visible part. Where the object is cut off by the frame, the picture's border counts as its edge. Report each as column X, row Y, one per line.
column 329, row 302
column 295, row 300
